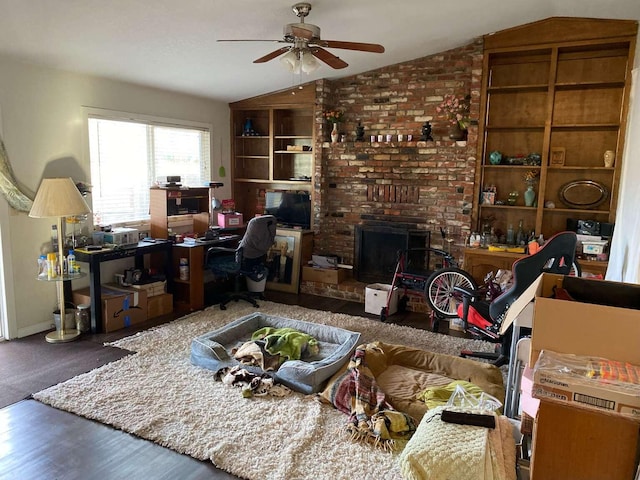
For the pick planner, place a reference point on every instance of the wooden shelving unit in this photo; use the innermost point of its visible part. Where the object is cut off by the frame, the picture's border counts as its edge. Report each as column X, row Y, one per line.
column 180, row 210
column 558, row 85
column 265, row 158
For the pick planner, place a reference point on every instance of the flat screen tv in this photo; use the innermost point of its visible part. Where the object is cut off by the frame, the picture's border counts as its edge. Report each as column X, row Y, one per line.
column 291, row 209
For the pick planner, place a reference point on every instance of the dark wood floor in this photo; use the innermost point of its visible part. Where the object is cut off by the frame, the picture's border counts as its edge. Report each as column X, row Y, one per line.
column 41, row 442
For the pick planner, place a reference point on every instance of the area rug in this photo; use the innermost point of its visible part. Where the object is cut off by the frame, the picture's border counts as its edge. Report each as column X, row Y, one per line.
column 158, row 395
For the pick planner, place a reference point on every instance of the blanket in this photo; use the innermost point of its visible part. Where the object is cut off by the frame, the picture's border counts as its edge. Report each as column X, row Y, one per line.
column 287, row 342
column 371, row 418
column 441, row 451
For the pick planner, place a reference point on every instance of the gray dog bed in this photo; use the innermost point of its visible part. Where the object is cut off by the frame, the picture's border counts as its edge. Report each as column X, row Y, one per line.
column 213, row 350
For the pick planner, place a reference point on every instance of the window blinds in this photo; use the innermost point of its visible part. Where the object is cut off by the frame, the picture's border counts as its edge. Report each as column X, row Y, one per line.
column 128, row 157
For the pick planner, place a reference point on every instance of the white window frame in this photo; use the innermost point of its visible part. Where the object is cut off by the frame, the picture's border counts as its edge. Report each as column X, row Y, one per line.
column 105, row 114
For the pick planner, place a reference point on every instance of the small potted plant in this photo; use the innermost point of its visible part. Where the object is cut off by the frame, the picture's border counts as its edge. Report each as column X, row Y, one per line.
column 530, row 194
column 334, row 117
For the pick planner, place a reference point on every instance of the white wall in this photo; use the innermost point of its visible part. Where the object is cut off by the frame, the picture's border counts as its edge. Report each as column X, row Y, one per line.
column 44, row 134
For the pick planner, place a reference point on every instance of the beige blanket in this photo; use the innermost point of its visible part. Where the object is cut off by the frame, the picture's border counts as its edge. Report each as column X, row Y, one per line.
column 448, row 451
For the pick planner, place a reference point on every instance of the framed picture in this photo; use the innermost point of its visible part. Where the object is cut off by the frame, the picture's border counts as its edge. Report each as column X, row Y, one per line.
column 556, row 159
column 283, row 261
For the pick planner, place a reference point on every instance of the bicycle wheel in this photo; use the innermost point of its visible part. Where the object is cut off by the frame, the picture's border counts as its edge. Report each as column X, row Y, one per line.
column 439, row 290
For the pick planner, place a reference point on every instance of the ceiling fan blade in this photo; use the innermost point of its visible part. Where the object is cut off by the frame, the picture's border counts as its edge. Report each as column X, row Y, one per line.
column 363, row 47
column 247, row 40
column 272, row 55
column 329, row 58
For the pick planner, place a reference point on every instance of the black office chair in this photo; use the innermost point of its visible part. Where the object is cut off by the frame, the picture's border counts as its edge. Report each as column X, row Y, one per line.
column 483, row 319
column 246, row 261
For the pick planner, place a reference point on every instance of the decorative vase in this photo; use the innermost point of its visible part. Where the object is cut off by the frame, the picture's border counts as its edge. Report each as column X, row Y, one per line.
column 529, row 196
column 456, row 133
column 334, row 133
column 609, row 158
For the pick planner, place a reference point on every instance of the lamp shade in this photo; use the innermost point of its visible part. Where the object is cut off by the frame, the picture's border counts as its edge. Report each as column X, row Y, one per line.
column 308, row 62
column 58, row 197
column 290, row 60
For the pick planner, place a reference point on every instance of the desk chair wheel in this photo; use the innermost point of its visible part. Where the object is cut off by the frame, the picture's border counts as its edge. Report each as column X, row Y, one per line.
column 440, row 291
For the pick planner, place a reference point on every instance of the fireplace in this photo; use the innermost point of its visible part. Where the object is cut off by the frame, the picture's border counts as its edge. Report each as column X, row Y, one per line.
column 376, row 249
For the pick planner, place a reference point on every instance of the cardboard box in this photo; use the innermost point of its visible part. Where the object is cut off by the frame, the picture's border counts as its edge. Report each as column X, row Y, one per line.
column 528, row 404
column 226, row 220
column 375, row 298
column 576, row 444
column 563, row 378
column 159, row 305
column 152, row 288
column 121, row 307
column 603, row 321
column 324, row 275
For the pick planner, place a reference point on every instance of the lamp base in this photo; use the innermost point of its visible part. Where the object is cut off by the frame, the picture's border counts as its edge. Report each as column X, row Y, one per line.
column 60, row 336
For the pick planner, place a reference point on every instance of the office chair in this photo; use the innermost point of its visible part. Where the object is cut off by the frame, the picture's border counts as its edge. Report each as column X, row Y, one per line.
column 245, row 261
column 483, row 319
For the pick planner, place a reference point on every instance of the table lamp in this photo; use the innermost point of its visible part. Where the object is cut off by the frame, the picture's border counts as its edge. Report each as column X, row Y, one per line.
column 59, row 197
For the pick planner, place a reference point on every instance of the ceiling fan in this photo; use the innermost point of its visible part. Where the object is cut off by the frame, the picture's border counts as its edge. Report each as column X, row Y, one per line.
column 306, row 45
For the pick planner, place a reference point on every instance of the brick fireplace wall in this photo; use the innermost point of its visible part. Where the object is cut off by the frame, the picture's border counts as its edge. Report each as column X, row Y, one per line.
column 426, row 184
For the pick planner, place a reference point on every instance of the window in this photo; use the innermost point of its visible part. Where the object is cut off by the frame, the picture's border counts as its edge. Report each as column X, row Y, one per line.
column 128, row 156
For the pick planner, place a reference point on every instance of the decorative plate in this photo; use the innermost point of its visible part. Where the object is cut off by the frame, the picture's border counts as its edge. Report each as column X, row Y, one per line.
column 583, row 194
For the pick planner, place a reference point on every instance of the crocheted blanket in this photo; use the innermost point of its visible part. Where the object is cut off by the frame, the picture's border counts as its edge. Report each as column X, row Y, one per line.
column 441, row 451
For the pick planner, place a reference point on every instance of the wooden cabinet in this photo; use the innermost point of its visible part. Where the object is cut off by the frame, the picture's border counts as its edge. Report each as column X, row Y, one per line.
column 178, row 210
column 189, row 292
column 479, row 261
column 272, row 147
column 554, row 99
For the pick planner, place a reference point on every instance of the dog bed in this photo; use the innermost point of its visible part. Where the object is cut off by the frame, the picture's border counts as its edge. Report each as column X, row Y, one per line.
column 403, row 373
column 213, row 350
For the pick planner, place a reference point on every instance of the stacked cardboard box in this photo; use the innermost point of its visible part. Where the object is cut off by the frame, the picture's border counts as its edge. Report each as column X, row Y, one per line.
column 122, row 307
column 602, row 320
column 158, row 301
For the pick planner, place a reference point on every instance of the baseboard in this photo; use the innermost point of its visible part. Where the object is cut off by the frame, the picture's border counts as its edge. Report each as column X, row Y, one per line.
column 33, row 329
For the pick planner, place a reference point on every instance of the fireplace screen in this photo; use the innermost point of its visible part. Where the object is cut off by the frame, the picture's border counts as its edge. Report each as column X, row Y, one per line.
column 376, row 250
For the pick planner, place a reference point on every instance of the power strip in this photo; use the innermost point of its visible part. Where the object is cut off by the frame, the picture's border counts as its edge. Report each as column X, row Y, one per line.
column 477, row 418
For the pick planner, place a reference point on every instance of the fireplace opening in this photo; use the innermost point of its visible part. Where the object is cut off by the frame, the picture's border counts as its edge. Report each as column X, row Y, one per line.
column 376, row 250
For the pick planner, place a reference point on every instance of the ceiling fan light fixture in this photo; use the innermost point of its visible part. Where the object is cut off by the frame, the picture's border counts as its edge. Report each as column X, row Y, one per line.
column 290, row 61
column 308, row 62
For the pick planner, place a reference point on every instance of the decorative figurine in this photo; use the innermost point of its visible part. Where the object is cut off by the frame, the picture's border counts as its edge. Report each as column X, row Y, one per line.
column 426, row 133
column 247, row 129
column 359, row 133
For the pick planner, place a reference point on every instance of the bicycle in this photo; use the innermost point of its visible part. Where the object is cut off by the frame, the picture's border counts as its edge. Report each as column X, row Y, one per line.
column 438, row 287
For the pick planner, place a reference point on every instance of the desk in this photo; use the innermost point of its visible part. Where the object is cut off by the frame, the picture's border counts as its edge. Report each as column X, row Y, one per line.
column 189, row 294
column 95, row 258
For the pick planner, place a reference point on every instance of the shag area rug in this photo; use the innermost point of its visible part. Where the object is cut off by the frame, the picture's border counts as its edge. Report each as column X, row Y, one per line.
column 157, row 394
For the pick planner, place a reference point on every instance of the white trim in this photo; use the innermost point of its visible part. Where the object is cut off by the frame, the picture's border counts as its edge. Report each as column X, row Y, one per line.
column 8, row 327
column 106, row 114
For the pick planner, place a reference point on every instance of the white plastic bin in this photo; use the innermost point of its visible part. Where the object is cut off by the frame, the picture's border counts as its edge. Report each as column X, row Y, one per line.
column 375, row 298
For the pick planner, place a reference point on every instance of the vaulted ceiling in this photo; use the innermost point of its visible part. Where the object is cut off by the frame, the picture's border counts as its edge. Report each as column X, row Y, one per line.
column 173, row 44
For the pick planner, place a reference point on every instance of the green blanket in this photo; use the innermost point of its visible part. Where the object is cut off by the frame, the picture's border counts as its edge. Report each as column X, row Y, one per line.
column 287, row 342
